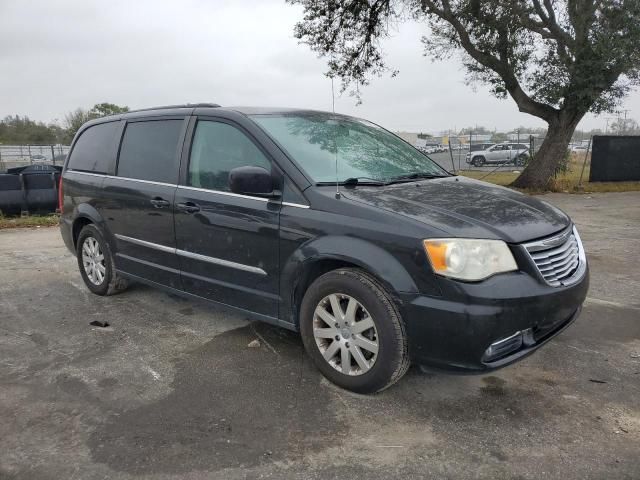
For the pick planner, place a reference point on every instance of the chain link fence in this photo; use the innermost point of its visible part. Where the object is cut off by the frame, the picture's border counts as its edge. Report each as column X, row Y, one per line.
column 481, row 157
column 478, row 153
column 12, row 156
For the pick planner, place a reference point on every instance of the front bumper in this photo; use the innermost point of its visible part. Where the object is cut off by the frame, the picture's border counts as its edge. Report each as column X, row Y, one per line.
column 455, row 335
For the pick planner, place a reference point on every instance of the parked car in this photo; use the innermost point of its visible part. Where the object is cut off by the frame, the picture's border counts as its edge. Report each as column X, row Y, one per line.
column 324, row 224
column 502, row 153
column 431, row 148
column 475, row 147
column 578, row 148
column 38, row 158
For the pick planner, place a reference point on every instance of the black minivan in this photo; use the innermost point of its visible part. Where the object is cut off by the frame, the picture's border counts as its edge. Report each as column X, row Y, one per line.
column 324, row 224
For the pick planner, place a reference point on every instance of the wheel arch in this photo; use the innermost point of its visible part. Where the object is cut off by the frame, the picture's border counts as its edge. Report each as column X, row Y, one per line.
column 87, row 214
column 330, row 253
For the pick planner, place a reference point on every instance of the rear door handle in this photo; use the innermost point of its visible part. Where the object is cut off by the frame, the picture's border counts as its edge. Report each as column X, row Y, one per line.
column 159, row 202
column 188, row 207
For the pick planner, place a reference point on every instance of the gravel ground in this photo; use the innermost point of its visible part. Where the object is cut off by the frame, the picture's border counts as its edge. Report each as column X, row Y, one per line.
column 171, row 390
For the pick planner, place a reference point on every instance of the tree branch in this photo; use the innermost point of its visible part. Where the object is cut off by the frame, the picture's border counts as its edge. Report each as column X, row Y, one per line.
column 500, row 66
column 548, row 17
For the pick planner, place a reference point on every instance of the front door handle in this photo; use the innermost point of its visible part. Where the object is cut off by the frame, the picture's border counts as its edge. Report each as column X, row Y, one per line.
column 188, row 207
column 159, row 202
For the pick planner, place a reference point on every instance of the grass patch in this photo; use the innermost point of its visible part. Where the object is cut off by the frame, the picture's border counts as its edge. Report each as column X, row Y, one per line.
column 30, row 221
column 566, row 182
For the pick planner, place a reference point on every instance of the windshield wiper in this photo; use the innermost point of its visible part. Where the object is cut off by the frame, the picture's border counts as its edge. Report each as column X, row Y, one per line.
column 363, row 181
column 353, row 181
column 415, row 176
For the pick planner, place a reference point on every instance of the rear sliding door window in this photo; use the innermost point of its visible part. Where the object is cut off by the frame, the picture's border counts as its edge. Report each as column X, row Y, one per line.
column 95, row 150
column 149, row 151
column 217, row 149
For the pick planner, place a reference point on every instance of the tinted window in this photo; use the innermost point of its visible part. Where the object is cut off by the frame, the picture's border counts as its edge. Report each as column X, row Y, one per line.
column 95, row 150
column 217, row 149
column 149, row 151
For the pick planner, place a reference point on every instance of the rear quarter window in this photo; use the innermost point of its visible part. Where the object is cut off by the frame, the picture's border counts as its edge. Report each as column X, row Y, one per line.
column 149, row 151
column 95, row 150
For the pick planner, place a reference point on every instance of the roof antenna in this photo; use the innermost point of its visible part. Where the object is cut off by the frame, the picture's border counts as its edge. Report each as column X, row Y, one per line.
column 335, row 139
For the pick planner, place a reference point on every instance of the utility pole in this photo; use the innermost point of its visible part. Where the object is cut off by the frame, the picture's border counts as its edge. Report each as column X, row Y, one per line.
column 624, row 125
column 606, row 128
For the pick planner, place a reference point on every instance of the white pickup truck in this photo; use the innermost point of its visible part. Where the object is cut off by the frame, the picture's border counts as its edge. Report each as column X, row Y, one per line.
column 501, row 153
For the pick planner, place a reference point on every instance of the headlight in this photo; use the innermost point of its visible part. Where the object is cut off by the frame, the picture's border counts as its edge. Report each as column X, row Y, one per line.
column 469, row 259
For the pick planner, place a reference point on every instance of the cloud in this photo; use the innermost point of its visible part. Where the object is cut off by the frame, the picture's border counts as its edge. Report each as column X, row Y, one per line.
column 62, row 54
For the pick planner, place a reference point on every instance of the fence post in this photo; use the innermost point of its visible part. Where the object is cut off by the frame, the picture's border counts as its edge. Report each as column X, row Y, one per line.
column 584, row 163
column 25, row 207
column 532, row 146
column 30, row 157
column 53, row 155
column 451, row 155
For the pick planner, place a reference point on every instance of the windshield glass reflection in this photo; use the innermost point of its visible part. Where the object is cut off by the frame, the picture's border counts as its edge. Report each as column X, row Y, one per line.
column 319, row 142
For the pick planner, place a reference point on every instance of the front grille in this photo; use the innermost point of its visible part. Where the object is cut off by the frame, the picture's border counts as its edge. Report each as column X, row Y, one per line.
column 560, row 259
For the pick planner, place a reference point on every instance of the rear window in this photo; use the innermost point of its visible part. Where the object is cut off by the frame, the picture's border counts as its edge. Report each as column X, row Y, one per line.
column 95, row 150
column 149, row 151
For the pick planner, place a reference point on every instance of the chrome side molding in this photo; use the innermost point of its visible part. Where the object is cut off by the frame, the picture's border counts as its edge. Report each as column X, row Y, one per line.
column 194, row 256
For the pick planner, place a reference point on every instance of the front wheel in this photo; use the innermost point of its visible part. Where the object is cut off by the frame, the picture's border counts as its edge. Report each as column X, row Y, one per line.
column 353, row 332
column 478, row 161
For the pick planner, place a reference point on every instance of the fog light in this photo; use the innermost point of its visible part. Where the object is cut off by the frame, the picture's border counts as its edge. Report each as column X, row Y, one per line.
column 503, row 347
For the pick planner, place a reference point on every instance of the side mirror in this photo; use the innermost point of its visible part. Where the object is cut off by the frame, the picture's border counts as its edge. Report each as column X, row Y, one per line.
column 252, row 181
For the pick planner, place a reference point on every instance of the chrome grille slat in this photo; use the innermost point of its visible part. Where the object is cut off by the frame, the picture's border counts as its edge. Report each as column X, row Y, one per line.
column 555, row 251
column 559, row 264
column 558, row 274
column 556, row 269
column 559, row 261
column 551, row 261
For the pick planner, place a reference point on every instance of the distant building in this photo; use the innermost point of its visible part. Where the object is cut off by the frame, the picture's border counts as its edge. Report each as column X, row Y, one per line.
column 476, row 138
column 422, row 139
column 523, row 136
column 410, row 137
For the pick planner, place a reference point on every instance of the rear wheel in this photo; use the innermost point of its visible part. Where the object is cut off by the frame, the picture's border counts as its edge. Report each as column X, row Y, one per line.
column 96, row 263
column 521, row 160
column 353, row 332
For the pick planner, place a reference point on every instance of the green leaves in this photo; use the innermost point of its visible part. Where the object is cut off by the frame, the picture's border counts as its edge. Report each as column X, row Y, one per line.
column 74, row 120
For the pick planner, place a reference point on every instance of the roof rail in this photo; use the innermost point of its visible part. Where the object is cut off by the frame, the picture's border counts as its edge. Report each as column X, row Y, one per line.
column 184, row 105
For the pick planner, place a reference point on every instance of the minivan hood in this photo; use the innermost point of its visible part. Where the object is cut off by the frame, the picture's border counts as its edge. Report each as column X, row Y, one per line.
column 462, row 207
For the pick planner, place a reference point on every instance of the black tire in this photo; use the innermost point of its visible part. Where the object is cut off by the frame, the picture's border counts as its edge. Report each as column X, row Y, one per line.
column 521, row 160
column 392, row 359
column 478, row 161
column 111, row 282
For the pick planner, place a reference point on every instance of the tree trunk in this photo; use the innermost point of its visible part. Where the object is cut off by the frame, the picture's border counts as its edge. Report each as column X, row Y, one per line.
column 544, row 162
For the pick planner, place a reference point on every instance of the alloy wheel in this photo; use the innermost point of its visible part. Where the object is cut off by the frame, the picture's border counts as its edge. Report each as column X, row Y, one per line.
column 345, row 334
column 93, row 261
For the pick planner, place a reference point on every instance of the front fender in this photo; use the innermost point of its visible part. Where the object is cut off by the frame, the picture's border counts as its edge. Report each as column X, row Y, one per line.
column 366, row 255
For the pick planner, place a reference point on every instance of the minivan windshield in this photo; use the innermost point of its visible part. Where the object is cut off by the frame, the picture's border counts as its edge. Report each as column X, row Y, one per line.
column 362, row 151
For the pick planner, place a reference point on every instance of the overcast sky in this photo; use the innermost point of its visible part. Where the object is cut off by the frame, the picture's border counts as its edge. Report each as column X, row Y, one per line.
column 57, row 55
